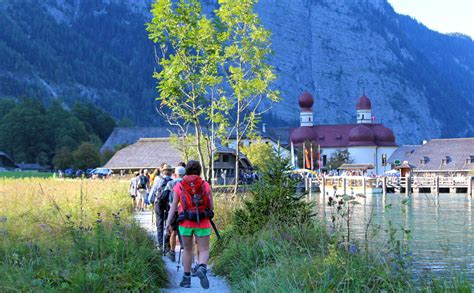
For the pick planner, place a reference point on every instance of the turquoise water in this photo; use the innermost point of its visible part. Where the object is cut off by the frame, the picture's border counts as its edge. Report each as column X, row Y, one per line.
column 442, row 228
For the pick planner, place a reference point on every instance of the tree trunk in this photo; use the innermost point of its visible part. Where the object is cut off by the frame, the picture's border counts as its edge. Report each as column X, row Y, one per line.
column 237, row 149
column 201, row 157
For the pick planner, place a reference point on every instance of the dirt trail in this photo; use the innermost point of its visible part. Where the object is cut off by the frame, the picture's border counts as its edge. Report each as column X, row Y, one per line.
column 218, row 285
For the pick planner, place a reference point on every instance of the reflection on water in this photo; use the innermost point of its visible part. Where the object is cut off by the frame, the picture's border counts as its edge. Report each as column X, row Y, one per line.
column 442, row 227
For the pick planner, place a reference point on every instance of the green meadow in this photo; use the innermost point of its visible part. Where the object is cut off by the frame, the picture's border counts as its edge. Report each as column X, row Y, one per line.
column 73, row 235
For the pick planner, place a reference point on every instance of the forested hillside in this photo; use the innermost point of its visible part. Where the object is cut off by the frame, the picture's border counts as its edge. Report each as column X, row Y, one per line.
column 53, row 136
column 421, row 82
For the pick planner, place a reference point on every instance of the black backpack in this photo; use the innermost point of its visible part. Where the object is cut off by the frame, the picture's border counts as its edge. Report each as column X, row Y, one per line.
column 164, row 196
column 142, row 182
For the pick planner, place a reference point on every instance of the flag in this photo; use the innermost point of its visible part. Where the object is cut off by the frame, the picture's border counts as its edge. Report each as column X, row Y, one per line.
column 319, row 158
column 306, row 154
column 312, row 159
column 373, row 118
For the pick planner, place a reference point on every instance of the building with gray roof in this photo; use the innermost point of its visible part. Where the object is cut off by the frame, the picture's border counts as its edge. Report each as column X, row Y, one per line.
column 444, row 155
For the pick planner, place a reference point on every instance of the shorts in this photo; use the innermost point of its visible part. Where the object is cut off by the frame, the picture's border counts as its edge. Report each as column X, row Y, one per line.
column 142, row 194
column 200, row 232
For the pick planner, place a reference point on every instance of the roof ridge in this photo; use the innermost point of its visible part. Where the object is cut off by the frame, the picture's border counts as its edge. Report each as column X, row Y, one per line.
column 454, row 138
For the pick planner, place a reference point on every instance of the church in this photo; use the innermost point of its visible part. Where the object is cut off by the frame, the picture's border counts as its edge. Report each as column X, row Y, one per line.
column 369, row 144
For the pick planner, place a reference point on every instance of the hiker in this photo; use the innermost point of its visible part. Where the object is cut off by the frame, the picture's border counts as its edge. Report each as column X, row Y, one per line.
column 133, row 188
column 160, row 198
column 154, row 174
column 192, row 194
column 179, row 172
column 142, row 188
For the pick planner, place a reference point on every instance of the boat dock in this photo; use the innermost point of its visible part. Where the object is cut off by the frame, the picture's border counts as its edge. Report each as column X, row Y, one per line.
column 388, row 184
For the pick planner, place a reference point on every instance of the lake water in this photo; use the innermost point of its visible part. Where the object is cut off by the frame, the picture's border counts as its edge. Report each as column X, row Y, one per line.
column 442, row 228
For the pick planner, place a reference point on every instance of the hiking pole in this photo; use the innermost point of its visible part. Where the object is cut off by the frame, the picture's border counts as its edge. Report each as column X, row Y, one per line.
column 164, row 232
column 181, row 247
column 215, row 230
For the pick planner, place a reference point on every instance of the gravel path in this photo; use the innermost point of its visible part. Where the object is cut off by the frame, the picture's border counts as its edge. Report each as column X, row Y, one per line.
column 218, row 284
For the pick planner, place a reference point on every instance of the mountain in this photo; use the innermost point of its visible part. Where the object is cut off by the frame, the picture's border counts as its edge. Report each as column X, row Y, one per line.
column 421, row 82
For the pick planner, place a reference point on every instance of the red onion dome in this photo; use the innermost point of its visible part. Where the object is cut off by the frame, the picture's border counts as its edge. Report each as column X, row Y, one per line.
column 305, row 100
column 364, row 103
column 384, row 134
column 302, row 134
column 361, row 135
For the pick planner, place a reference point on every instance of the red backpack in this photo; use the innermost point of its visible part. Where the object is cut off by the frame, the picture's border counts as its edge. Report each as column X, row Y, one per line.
column 195, row 202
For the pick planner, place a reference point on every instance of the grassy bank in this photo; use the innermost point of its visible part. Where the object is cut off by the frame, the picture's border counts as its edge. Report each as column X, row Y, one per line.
column 273, row 243
column 73, row 235
column 25, row 174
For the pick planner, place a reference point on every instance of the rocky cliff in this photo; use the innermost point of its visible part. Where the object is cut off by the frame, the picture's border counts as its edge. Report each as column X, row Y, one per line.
column 421, row 83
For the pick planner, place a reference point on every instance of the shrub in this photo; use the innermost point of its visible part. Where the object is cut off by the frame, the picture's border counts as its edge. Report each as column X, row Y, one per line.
column 273, row 200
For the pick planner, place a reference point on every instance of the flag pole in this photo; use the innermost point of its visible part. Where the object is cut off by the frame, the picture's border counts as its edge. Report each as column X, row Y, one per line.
column 292, row 155
column 312, row 159
column 319, row 158
column 304, row 155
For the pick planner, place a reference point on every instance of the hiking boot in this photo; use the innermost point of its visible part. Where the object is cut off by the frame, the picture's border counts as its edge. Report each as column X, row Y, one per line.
column 172, row 256
column 201, row 273
column 186, row 282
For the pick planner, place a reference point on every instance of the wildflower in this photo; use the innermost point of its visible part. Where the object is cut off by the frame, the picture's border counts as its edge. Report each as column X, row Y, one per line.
column 68, row 216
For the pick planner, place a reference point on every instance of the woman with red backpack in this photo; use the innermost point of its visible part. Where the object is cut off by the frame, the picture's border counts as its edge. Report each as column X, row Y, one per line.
column 193, row 199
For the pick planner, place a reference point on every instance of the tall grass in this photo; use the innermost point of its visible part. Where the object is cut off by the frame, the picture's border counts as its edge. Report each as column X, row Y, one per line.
column 73, row 235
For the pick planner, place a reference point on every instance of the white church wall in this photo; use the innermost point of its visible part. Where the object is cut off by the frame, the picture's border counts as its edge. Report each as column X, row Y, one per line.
column 364, row 155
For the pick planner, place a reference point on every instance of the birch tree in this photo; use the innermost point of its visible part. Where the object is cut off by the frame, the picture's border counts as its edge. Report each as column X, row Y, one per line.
column 190, row 55
column 247, row 73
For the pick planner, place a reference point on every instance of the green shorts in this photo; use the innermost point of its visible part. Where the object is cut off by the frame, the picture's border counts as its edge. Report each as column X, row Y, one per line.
column 200, row 232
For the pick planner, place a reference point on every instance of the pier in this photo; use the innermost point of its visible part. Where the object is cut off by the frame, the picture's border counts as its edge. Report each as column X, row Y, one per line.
column 388, row 184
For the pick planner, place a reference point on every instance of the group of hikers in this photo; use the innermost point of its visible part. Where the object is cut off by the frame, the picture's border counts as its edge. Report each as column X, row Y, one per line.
column 183, row 209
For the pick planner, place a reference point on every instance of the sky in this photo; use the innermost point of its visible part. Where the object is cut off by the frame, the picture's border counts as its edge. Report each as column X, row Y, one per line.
column 445, row 16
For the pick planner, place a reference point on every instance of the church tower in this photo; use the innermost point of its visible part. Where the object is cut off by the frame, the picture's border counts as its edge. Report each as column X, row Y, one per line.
column 364, row 110
column 306, row 102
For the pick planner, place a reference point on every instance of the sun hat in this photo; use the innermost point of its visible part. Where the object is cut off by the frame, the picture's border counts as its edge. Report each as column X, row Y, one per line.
column 179, row 170
column 166, row 167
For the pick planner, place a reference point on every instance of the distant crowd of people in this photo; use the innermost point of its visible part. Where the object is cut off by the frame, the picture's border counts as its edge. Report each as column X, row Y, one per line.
column 182, row 209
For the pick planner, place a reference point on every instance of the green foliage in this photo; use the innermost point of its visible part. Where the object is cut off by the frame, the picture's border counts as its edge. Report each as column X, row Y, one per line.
column 190, row 59
column 95, row 120
column 31, row 133
column 24, row 133
column 63, row 159
column 338, row 158
column 187, row 147
column 222, row 61
column 6, row 105
column 103, row 57
column 86, row 156
column 301, row 258
column 273, row 200
column 260, row 154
